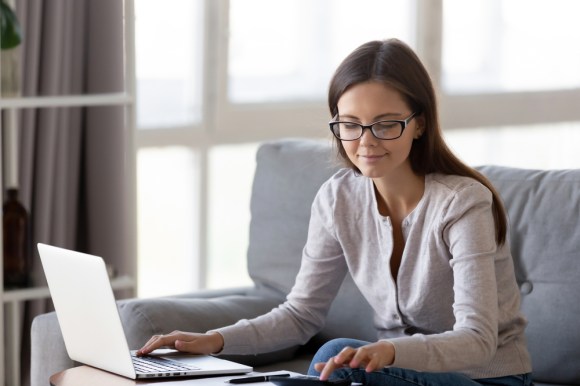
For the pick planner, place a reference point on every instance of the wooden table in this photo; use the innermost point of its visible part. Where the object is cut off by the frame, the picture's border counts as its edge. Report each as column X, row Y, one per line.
column 89, row 376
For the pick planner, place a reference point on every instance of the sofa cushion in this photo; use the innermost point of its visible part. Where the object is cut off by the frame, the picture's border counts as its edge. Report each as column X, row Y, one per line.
column 288, row 176
column 544, row 215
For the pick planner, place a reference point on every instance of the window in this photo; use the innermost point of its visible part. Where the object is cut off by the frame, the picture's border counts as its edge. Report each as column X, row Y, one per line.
column 538, row 146
column 168, row 48
column 167, row 208
column 231, row 168
column 510, row 81
column 516, row 45
column 215, row 78
column 291, row 52
column 206, row 98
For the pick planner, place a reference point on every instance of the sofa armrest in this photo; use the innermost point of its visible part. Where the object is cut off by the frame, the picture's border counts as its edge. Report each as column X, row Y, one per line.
column 143, row 318
column 48, row 353
column 215, row 293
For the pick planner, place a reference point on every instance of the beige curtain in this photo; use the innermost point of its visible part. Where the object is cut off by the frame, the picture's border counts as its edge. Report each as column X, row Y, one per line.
column 72, row 169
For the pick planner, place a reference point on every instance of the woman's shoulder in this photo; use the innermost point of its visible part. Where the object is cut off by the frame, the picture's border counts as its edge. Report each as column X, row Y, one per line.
column 455, row 183
column 343, row 185
column 345, row 179
column 454, row 189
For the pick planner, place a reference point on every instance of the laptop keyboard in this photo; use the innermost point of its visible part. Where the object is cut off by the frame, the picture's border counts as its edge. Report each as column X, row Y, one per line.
column 149, row 364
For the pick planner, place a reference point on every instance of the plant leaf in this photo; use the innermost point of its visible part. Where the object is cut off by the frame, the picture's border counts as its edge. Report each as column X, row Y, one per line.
column 10, row 33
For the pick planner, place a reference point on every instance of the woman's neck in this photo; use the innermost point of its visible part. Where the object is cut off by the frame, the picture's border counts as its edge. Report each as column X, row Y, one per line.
column 398, row 196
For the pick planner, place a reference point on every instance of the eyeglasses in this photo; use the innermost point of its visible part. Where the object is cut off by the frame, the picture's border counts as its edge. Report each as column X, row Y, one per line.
column 388, row 130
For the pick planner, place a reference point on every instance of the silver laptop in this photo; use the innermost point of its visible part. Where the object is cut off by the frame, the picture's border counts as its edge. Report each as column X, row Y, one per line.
column 91, row 326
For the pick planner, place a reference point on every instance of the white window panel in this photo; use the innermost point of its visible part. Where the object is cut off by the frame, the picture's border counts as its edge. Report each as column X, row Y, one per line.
column 231, row 171
column 510, row 46
column 539, row 146
column 290, row 51
column 167, row 203
column 168, row 41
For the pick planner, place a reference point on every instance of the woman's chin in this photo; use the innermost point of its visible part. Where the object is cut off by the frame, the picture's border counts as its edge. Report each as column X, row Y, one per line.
column 371, row 172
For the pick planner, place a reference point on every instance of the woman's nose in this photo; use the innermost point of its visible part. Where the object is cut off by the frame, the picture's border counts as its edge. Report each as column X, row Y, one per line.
column 368, row 137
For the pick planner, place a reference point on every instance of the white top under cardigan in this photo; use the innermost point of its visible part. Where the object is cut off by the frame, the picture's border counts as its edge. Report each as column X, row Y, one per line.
column 455, row 306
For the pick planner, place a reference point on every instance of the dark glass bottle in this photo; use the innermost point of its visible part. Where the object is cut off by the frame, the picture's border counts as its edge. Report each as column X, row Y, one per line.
column 17, row 257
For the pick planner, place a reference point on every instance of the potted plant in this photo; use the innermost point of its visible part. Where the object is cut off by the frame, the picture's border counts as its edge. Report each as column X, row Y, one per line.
column 10, row 38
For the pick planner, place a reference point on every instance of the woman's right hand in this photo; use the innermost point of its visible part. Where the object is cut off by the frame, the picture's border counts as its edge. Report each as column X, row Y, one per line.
column 190, row 342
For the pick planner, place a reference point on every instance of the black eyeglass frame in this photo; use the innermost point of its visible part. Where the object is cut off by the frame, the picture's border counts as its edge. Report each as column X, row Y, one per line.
column 403, row 122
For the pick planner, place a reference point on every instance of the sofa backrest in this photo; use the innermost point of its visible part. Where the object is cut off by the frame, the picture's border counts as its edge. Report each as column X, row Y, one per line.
column 544, row 213
column 288, row 175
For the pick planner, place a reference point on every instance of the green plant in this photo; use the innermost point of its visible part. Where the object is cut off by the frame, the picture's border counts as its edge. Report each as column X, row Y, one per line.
column 10, row 32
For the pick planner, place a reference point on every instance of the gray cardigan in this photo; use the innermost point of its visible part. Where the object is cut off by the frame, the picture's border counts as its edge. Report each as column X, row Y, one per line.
column 455, row 306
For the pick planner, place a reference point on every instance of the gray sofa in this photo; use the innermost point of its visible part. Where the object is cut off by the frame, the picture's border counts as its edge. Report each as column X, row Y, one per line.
column 544, row 211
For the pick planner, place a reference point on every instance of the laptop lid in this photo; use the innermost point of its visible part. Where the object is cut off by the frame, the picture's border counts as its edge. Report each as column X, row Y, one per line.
column 89, row 318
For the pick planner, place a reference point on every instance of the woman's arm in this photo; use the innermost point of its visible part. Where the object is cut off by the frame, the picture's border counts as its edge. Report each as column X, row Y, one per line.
column 295, row 321
column 322, row 271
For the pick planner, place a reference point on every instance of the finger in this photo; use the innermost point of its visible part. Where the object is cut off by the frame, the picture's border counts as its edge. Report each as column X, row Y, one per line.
column 345, row 355
column 152, row 339
column 146, row 348
column 158, row 341
column 319, row 366
column 360, row 357
column 372, row 365
column 329, row 367
column 336, row 362
column 369, row 359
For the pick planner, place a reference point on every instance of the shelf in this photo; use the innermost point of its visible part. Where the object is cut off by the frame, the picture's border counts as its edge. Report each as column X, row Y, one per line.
column 12, row 309
column 118, row 283
column 116, row 99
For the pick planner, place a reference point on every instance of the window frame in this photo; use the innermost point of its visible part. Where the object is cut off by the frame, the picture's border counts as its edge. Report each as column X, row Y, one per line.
column 252, row 122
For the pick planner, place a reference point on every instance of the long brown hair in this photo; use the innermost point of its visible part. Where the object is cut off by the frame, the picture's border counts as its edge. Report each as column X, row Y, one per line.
column 394, row 63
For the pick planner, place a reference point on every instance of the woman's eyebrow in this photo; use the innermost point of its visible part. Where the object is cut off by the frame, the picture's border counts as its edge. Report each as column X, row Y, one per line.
column 377, row 118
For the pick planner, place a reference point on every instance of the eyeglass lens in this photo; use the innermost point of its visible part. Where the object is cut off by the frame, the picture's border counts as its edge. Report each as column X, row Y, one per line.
column 381, row 130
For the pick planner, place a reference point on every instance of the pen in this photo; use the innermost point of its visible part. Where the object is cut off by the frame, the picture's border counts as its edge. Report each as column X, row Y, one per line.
column 261, row 378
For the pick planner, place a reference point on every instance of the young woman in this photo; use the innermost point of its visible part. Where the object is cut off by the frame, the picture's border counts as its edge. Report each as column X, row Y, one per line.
column 422, row 234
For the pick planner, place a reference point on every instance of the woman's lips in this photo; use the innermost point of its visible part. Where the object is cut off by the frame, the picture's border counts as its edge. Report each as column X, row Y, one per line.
column 370, row 157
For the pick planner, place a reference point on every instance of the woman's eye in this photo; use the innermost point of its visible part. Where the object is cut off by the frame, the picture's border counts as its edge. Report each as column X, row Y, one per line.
column 385, row 126
column 350, row 126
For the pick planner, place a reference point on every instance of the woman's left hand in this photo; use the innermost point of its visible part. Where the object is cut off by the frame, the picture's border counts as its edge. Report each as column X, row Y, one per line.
column 372, row 357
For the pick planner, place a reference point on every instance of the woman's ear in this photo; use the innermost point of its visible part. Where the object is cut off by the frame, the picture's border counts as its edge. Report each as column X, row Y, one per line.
column 419, row 126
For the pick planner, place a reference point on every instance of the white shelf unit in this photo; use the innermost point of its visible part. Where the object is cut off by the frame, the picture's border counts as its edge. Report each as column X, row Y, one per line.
column 12, row 300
